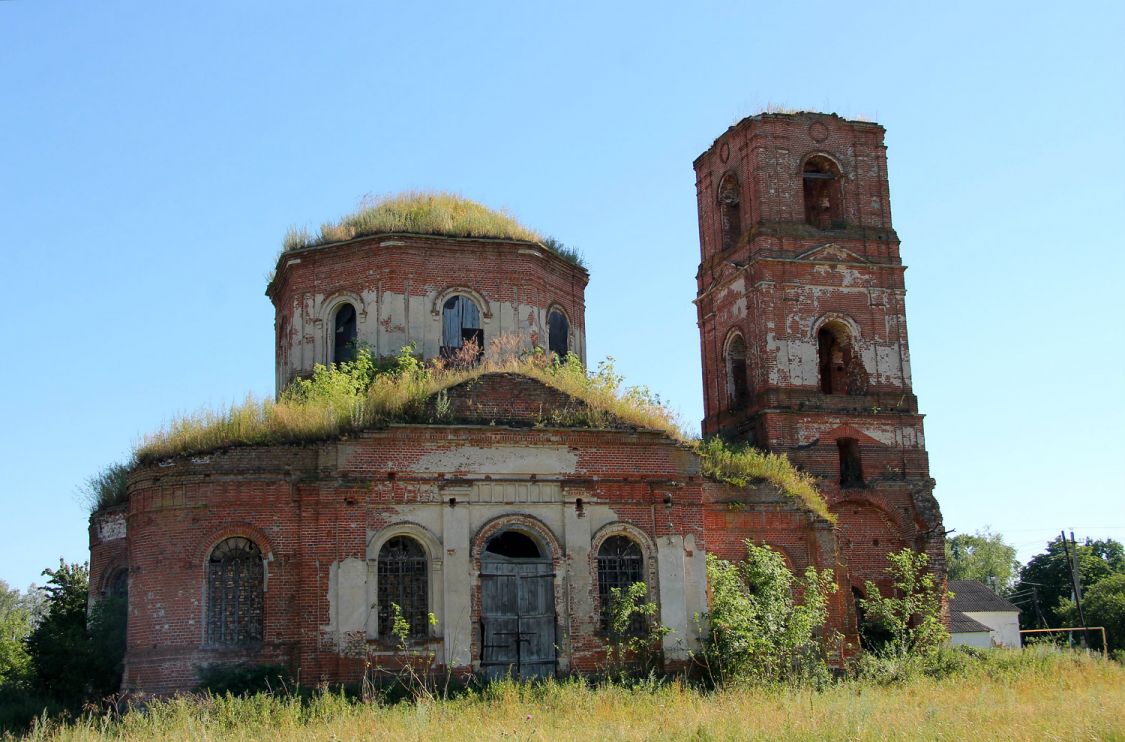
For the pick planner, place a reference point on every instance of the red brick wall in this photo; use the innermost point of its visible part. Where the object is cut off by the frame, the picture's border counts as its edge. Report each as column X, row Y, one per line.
column 311, row 506
column 776, row 286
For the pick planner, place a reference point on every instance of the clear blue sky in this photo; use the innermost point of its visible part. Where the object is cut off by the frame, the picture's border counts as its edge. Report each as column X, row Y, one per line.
column 152, row 155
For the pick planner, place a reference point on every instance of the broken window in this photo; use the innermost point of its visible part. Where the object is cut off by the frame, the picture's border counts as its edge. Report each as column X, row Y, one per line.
column 235, row 592
column 822, row 180
column 735, row 362
column 851, row 469
column 344, row 343
column 841, row 368
column 402, row 575
column 558, row 333
column 620, row 564
column 460, row 327
column 730, row 210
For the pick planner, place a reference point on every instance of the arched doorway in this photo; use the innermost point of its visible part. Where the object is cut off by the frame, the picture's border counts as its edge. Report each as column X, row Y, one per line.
column 517, row 608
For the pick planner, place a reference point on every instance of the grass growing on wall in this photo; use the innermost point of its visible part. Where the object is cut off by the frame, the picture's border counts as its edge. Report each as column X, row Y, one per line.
column 1016, row 696
column 425, row 212
column 366, row 394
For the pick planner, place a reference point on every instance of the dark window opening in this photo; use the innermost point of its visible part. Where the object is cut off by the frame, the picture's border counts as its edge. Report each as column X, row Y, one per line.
column 620, row 565
column 402, row 575
column 851, row 468
column 235, row 592
column 118, row 584
column 730, row 210
column 737, row 391
column 461, row 333
column 841, row 369
column 558, row 333
column 822, row 193
column 513, row 545
column 344, row 345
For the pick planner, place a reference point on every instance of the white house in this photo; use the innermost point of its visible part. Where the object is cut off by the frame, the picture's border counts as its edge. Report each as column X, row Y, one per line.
column 980, row 617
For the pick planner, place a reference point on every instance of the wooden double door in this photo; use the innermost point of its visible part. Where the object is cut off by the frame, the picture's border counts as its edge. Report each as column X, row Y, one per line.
column 517, row 617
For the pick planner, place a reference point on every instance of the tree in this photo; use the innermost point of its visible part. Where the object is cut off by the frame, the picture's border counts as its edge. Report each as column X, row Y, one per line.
column 15, row 624
column 1104, row 605
column 980, row 556
column 911, row 615
column 58, row 646
column 1049, row 575
column 756, row 629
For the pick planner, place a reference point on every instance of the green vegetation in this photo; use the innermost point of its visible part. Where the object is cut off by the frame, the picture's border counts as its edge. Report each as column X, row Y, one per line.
column 982, row 556
column 363, row 394
column 740, row 464
column 903, row 631
column 1103, row 605
column 425, row 212
column 62, row 658
column 106, row 488
column 1044, row 587
column 998, row 694
column 630, row 652
column 756, row 631
column 15, row 625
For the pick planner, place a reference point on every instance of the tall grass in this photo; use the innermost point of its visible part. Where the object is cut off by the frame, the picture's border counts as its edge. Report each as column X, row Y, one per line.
column 1022, row 697
column 106, row 488
column 362, row 395
column 425, row 212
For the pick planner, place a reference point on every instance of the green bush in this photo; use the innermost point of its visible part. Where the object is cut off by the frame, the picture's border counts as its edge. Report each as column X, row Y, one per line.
column 911, row 615
column 756, row 631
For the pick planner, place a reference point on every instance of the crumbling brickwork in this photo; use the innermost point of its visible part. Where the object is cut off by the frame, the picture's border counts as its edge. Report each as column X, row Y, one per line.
column 811, row 294
column 289, row 554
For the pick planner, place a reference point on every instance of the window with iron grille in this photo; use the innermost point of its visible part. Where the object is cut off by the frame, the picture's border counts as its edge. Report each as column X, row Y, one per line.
column 235, row 592
column 620, row 564
column 403, row 580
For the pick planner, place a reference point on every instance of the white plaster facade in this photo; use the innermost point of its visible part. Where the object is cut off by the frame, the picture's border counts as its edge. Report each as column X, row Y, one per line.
column 1004, row 626
column 453, row 527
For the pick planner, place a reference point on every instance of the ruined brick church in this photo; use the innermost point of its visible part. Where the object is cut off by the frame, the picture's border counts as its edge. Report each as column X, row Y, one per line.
column 511, row 532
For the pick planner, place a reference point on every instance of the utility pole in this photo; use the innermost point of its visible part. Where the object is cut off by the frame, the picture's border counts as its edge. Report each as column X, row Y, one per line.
column 1075, row 583
column 1038, row 609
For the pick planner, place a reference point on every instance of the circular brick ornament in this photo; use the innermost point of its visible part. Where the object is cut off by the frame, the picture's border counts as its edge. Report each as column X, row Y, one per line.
column 818, row 131
column 724, row 153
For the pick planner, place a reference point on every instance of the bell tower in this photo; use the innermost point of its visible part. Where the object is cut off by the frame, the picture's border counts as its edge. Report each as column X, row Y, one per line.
column 802, row 324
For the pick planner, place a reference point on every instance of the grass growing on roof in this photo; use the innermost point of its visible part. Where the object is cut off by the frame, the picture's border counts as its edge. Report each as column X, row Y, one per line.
column 425, row 212
column 366, row 393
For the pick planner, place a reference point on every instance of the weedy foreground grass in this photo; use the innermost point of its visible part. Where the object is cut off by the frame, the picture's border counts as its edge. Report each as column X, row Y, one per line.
column 1063, row 698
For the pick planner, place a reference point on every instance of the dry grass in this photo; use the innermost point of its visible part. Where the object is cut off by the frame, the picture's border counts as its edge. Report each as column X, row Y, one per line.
column 341, row 402
column 1066, row 699
column 424, row 212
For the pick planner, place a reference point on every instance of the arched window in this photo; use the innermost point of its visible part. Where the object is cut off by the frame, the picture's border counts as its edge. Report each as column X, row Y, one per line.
column 822, row 180
column 620, row 564
column 841, row 368
column 730, row 210
column 558, row 333
column 735, row 362
column 344, row 334
column 235, row 592
column 460, row 325
column 117, row 586
column 851, row 468
column 403, row 581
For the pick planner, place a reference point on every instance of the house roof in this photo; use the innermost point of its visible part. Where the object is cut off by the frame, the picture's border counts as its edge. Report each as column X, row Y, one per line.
column 959, row 623
column 970, row 596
